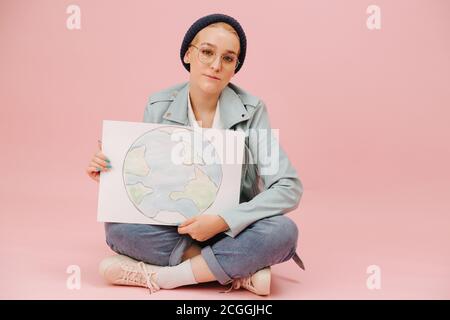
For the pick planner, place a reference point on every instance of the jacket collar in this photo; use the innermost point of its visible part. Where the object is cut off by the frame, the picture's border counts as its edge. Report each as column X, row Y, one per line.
column 232, row 109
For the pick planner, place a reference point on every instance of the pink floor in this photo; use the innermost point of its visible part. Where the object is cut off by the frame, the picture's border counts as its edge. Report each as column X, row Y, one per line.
column 341, row 236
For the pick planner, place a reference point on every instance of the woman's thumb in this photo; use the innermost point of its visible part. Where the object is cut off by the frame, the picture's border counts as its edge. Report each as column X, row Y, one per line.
column 99, row 144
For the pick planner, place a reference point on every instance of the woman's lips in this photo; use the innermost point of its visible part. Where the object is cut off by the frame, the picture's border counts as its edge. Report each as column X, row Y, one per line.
column 210, row 77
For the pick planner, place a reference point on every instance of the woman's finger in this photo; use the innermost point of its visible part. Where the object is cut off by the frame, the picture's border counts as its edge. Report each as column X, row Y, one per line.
column 99, row 165
column 184, row 230
column 94, row 169
column 101, row 155
column 93, row 173
column 187, row 222
column 101, row 162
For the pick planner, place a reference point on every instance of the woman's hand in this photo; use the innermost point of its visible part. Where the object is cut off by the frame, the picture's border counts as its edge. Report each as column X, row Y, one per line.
column 98, row 164
column 203, row 227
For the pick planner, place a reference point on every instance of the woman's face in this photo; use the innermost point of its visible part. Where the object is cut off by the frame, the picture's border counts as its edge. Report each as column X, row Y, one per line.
column 223, row 43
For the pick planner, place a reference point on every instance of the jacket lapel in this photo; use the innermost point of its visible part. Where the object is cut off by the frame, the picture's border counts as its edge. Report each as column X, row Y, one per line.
column 232, row 110
column 177, row 111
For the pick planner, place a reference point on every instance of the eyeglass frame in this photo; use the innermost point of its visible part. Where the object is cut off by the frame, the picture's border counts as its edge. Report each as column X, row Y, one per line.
column 237, row 58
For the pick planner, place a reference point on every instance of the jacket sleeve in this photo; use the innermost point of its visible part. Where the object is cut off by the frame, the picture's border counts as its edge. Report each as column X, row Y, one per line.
column 281, row 187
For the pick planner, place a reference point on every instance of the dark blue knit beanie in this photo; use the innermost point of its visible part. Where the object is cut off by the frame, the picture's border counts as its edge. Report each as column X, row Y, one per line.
column 206, row 21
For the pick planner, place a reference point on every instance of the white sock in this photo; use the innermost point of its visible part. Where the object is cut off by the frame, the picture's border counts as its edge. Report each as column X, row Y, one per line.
column 176, row 276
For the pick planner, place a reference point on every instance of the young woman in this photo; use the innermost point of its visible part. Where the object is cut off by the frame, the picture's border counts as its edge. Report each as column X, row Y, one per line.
column 237, row 246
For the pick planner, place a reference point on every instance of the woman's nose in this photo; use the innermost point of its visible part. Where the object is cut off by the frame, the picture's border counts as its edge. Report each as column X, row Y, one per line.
column 217, row 63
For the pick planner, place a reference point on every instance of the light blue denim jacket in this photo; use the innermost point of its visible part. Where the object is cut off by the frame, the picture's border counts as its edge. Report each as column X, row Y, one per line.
column 261, row 195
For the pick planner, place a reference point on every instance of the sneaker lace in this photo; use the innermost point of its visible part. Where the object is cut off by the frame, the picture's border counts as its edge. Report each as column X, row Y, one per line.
column 136, row 277
column 238, row 283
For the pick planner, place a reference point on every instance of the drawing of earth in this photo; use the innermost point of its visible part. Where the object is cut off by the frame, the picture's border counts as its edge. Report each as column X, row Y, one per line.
column 169, row 180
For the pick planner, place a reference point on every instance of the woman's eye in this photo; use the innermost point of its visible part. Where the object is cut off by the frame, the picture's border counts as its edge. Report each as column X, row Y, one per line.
column 229, row 59
column 207, row 52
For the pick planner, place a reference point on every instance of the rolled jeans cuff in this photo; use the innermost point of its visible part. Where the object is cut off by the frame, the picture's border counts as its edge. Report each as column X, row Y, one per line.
column 214, row 266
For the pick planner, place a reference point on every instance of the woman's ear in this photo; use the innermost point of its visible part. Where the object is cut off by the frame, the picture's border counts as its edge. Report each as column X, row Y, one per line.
column 186, row 57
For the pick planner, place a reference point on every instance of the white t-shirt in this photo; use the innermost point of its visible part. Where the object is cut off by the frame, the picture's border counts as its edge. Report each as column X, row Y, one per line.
column 217, row 123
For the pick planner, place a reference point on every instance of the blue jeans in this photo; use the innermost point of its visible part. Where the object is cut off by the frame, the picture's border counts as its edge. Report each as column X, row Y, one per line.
column 264, row 243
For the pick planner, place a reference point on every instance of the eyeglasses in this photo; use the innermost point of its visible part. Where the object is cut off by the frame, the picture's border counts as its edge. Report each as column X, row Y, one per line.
column 207, row 55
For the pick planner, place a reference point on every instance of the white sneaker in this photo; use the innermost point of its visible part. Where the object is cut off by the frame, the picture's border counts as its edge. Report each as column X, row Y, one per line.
column 258, row 283
column 122, row 270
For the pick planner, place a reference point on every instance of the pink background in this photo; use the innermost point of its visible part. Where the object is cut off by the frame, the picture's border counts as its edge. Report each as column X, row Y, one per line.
column 364, row 116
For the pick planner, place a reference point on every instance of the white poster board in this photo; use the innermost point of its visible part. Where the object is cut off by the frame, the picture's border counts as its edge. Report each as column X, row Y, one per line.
column 165, row 174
